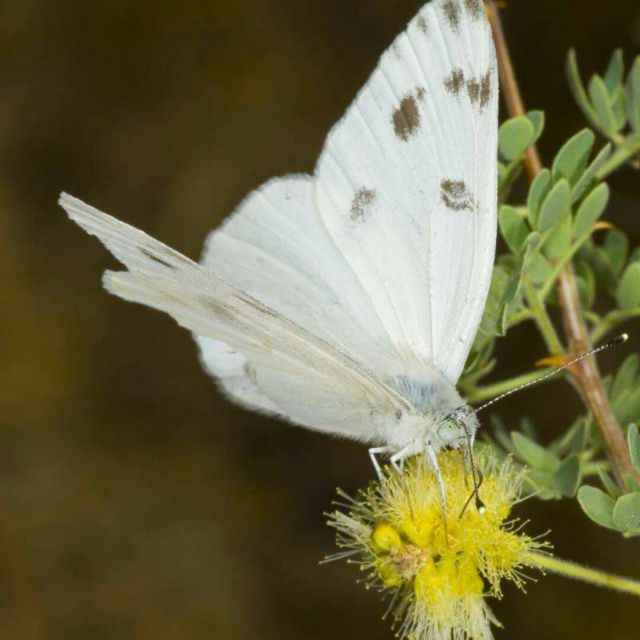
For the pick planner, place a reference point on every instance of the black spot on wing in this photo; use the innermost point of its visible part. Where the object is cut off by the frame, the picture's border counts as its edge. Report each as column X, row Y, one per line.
column 473, row 89
column 474, row 7
column 406, row 118
column 422, row 24
column 485, row 90
column 452, row 13
column 361, row 204
column 456, row 196
column 454, row 82
column 478, row 89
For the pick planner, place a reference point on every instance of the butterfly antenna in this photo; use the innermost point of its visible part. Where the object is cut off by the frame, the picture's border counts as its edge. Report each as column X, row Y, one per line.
column 614, row 342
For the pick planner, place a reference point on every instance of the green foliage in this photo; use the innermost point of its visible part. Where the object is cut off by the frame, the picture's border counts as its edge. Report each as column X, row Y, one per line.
column 571, row 160
column 560, row 223
column 609, row 103
column 513, row 228
column 515, row 137
column 628, row 293
column 597, row 505
column 633, row 438
column 539, row 190
column 554, row 206
column 590, row 210
column 626, row 514
column 633, row 96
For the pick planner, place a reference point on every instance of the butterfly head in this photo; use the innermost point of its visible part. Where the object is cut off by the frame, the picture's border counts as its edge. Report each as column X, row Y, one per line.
column 458, row 427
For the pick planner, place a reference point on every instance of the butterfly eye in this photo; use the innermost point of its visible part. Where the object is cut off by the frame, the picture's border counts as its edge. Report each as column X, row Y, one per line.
column 450, row 430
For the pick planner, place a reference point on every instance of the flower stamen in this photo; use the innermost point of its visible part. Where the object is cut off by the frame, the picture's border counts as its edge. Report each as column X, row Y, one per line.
column 440, row 578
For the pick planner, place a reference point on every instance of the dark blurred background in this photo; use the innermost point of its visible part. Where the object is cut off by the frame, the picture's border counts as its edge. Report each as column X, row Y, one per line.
column 135, row 502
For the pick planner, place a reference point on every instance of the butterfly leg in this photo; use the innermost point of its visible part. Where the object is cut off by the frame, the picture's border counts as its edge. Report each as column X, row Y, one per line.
column 398, row 458
column 376, row 451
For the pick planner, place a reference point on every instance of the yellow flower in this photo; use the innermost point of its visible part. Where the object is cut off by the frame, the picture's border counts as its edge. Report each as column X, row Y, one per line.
column 441, row 566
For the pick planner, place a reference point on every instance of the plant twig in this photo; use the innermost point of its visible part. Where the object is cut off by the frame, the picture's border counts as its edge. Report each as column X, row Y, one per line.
column 625, row 152
column 585, row 574
column 487, row 392
column 612, row 320
column 545, row 325
column 586, row 372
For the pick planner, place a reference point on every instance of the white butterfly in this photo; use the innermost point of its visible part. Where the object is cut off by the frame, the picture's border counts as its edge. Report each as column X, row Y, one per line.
column 348, row 301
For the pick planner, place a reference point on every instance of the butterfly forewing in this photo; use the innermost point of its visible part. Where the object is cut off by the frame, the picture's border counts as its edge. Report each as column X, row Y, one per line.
column 406, row 183
column 295, row 369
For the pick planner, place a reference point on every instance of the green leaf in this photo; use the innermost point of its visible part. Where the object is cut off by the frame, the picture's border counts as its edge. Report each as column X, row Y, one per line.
column 599, row 262
column 528, row 428
column 626, row 406
column 586, row 284
column 537, row 119
column 494, row 310
column 500, row 433
column 633, row 95
column 589, row 175
column 502, row 172
column 602, row 104
column 571, row 161
column 626, row 512
column 533, row 454
column 615, row 71
column 514, row 137
column 567, row 476
column 577, row 88
column 633, row 438
column 591, row 208
column 616, row 246
column 629, row 287
column 555, row 205
column 507, row 175
column 607, row 481
column 632, row 484
column 538, row 191
column 572, row 440
column 626, row 376
column 539, row 269
column 619, row 107
column 635, row 255
column 542, row 484
column 513, row 228
column 597, row 505
column 559, row 241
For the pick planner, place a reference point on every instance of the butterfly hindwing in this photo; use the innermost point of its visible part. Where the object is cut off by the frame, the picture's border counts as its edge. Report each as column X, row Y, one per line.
column 293, row 372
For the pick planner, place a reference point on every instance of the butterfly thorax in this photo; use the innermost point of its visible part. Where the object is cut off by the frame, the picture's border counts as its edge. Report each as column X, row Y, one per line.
column 439, row 417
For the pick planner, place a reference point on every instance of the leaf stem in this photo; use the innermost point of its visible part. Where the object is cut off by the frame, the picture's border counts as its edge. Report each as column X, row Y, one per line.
column 592, row 468
column 519, row 316
column 487, row 392
column 543, row 321
column 625, row 152
column 586, row 372
column 585, row 574
column 612, row 320
column 558, row 267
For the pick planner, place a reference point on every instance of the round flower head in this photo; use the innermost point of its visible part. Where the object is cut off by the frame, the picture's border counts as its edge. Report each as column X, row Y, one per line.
column 440, row 565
